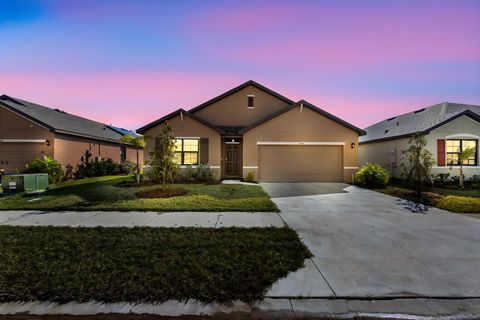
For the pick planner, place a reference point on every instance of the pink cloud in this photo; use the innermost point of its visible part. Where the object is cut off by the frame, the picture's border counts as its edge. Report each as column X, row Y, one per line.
column 128, row 99
column 332, row 37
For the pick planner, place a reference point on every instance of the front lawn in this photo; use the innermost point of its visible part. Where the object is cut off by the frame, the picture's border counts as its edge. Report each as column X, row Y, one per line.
column 103, row 194
column 65, row 264
column 455, row 200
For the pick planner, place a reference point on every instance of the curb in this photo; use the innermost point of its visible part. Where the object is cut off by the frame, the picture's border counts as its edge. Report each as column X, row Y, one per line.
column 401, row 308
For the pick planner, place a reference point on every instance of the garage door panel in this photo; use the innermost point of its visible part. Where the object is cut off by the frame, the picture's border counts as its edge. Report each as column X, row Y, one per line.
column 14, row 156
column 287, row 163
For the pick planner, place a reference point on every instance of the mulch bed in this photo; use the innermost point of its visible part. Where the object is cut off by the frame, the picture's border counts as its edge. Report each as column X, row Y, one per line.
column 159, row 193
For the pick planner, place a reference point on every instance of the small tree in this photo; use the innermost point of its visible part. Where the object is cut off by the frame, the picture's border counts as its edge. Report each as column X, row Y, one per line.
column 137, row 142
column 464, row 155
column 162, row 158
column 419, row 164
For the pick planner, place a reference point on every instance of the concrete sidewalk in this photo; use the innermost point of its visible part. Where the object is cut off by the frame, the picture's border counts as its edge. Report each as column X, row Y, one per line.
column 141, row 219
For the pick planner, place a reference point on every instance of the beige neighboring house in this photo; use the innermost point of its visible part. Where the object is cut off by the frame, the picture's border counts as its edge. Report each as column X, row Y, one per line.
column 449, row 128
column 29, row 130
column 254, row 129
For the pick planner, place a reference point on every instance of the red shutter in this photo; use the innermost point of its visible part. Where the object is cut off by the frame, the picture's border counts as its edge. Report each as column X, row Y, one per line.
column 441, row 152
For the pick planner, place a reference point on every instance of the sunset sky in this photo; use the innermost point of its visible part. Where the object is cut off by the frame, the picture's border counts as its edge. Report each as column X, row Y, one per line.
column 131, row 62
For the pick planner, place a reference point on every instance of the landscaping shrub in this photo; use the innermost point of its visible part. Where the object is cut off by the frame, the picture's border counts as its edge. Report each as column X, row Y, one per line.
column 250, row 177
column 199, row 173
column 46, row 165
column 98, row 168
column 372, row 176
column 440, row 179
column 127, row 167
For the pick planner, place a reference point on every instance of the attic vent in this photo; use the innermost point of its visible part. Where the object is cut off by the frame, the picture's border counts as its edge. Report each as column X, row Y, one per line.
column 390, row 119
column 418, row 111
column 61, row 111
column 386, row 131
column 398, row 123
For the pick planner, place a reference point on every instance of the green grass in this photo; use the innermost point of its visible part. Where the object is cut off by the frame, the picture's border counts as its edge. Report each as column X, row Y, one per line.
column 102, row 194
column 455, row 200
column 65, row 264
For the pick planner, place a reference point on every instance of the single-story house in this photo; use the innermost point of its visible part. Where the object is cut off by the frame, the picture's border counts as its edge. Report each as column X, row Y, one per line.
column 252, row 129
column 448, row 127
column 29, row 130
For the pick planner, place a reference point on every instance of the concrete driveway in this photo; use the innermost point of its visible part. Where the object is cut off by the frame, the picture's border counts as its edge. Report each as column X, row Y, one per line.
column 366, row 244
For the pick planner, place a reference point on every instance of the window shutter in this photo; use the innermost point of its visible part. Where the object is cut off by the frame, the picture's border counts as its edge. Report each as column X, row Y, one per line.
column 441, row 152
column 204, row 150
column 157, row 142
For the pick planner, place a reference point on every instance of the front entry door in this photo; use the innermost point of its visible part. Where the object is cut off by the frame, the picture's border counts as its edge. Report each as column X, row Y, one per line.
column 232, row 156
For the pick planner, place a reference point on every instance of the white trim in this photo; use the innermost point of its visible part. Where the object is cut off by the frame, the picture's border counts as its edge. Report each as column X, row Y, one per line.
column 299, row 143
column 455, row 167
column 196, row 165
column 198, row 138
column 350, row 168
column 250, row 167
column 23, row 140
column 462, row 135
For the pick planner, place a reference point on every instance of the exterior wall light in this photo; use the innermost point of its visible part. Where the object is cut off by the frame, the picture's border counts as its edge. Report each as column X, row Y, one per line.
column 47, row 142
column 352, row 145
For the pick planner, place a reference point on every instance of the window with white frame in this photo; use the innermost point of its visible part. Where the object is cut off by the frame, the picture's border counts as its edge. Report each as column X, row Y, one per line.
column 186, row 151
column 455, row 147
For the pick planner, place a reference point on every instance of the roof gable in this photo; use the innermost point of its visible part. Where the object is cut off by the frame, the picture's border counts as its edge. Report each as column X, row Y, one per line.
column 239, row 88
column 310, row 106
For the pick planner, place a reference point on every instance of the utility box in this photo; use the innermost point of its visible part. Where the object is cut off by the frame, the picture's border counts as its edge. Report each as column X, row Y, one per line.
column 30, row 183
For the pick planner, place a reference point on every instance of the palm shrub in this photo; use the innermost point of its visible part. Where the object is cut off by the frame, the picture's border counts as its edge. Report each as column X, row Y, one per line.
column 46, row 165
column 372, row 176
column 416, row 170
column 138, row 143
column 464, row 155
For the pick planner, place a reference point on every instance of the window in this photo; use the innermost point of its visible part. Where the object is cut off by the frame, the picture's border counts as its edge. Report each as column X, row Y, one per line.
column 250, row 102
column 186, row 151
column 123, row 153
column 454, row 148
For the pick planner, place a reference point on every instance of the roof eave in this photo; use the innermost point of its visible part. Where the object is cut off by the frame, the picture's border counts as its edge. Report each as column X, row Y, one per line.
column 173, row 114
column 311, row 107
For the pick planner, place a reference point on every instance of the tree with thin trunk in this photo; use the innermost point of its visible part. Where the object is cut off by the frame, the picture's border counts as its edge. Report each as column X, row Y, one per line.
column 162, row 158
column 464, row 155
column 138, row 143
column 419, row 161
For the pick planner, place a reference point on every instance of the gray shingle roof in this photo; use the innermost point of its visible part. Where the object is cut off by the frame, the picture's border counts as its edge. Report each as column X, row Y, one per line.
column 60, row 121
column 421, row 120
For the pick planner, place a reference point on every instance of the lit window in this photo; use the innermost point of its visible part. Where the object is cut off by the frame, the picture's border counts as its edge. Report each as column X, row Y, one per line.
column 186, row 151
column 454, row 148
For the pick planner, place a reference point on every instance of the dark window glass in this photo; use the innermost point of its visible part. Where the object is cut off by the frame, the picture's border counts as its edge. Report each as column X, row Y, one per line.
column 251, row 101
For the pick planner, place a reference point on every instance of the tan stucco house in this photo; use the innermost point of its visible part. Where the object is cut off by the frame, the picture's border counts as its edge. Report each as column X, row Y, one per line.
column 254, row 129
column 448, row 127
column 29, row 130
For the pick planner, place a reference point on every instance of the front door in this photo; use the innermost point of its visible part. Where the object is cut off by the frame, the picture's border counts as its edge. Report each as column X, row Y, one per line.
column 232, row 157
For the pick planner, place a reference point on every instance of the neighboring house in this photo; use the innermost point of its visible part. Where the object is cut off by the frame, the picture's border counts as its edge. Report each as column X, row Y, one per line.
column 254, row 129
column 29, row 130
column 449, row 128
